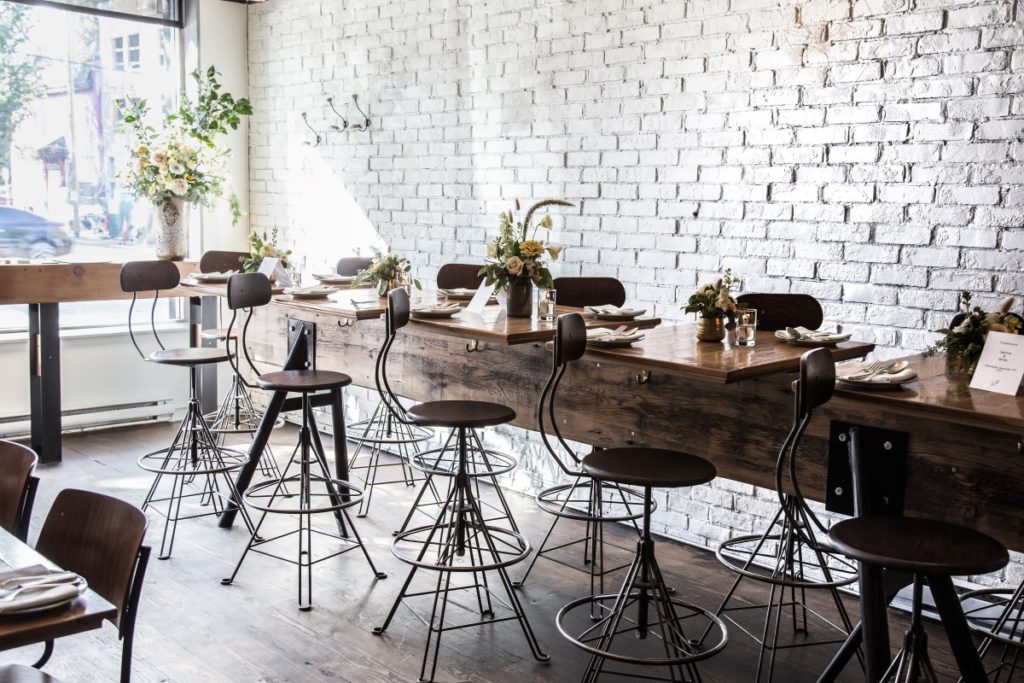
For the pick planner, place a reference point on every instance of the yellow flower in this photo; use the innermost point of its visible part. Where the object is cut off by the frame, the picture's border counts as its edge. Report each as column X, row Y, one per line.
column 492, row 249
column 546, row 222
column 531, row 248
column 554, row 252
column 266, row 250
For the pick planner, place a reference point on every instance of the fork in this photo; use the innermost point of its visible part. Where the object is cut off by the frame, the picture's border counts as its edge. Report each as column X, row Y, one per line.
column 869, row 371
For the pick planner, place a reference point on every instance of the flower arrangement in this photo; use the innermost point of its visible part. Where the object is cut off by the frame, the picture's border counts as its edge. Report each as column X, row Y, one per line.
column 964, row 340
column 714, row 300
column 386, row 272
column 512, row 256
column 182, row 161
column 260, row 248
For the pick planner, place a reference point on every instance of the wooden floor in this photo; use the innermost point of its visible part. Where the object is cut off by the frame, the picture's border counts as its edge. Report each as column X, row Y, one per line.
column 191, row 628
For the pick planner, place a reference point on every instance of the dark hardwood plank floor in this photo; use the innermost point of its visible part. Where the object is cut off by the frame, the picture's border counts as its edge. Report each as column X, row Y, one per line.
column 191, row 628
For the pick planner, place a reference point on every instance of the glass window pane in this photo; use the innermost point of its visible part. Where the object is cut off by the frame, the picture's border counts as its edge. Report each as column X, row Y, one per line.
column 60, row 195
column 162, row 10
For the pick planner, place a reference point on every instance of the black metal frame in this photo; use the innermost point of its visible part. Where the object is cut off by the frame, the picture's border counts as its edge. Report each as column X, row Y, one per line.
column 28, row 499
column 44, row 380
column 79, row 9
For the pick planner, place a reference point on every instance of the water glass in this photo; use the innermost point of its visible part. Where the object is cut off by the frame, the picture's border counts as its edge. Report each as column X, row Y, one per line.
column 746, row 327
column 546, row 305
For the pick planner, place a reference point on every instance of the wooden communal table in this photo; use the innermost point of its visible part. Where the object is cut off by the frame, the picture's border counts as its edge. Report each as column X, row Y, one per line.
column 85, row 613
column 43, row 287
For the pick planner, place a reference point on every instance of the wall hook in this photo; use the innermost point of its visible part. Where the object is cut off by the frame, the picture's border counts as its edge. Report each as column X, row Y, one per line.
column 475, row 346
column 347, row 322
column 318, row 138
column 643, row 377
column 366, row 118
column 344, row 121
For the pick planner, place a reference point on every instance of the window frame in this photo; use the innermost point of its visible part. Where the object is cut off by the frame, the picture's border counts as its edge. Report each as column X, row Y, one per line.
column 178, row 22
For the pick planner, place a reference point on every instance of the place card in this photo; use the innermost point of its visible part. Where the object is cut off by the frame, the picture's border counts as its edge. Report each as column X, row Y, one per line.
column 268, row 265
column 1001, row 366
column 271, row 266
column 479, row 300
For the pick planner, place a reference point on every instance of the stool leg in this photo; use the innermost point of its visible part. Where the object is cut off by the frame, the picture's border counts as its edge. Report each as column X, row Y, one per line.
column 957, row 630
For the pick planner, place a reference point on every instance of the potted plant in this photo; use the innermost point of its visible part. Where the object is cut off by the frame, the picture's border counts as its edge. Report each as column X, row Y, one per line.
column 964, row 339
column 515, row 263
column 386, row 272
column 714, row 304
column 261, row 248
column 181, row 164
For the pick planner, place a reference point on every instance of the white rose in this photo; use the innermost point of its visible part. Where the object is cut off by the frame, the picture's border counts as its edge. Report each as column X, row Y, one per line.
column 514, row 265
column 178, row 187
column 176, row 167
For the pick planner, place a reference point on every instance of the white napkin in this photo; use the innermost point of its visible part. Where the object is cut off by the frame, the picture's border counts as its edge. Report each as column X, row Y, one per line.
column 846, row 371
column 36, row 586
column 334, row 277
column 458, row 291
column 214, row 273
column 437, row 308
column 315, row 289
column 605, row 334
column 804, row 334
column 615, row 310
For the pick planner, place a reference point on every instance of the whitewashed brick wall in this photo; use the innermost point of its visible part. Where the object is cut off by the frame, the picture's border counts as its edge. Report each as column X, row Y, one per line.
column 867, row 152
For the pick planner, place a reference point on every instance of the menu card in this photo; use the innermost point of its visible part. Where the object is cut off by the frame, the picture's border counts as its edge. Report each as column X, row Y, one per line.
column 479, row 300
column 271, row 265
column 1001, row 366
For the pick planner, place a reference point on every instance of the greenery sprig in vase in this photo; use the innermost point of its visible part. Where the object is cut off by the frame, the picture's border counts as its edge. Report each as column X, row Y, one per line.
column 964, row 339
column 515, row 263
column 714, row 303
column 386, row 272
column 261, row 247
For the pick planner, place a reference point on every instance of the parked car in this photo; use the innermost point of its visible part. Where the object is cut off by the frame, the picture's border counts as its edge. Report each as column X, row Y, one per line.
column 24, row 234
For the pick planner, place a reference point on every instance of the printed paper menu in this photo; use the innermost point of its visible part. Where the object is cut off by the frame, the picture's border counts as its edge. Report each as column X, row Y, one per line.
column 1001, row 366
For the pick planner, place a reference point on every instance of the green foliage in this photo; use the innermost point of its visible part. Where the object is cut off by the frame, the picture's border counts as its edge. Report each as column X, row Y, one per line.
column 963, row 343
column 512, row 256
column 386, row 268
column 715, row 300
column 261, row 247
column 19, row 74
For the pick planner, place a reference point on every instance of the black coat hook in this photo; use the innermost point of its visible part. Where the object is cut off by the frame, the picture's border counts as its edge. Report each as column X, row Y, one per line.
column 344, row 121
column 318, row 138
column 366, row 118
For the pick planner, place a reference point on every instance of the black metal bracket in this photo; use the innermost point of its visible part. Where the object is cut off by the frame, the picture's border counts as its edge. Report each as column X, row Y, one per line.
column 303, row 332
column 879, row 456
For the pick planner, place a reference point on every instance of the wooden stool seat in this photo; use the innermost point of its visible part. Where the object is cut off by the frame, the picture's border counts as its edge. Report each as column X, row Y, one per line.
column 461, row 414
column 188, row 356
column 921, row 546
column 20, row 673
column 648, row 467
column 218, row 333
column 303, row 380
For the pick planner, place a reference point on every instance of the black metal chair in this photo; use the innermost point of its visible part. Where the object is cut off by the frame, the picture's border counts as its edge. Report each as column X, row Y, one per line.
column 351, row 265
column 312, row 490
column 17, row 487
column 659, row 629
column 194, row 454
column 791, row 555
column 589, row 291
column 779, row 311
column 461, row 540
column 459, row 276
column 584, row 499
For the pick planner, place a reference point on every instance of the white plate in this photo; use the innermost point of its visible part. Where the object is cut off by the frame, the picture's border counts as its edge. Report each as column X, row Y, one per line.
column 872, row 386
column 603, row 343
column 81, row 585
column 622, row 315
column 213, row 277
column 434, row 313
column 329, row 279
column 457, row 294
column 311, row 293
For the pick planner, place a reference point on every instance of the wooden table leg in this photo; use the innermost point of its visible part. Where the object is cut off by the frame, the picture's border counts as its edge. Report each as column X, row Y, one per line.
column 44, row 380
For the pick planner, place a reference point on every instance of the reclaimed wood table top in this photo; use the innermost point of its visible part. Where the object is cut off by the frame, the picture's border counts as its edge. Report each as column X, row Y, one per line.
column 60, row 282
column 675, row 349
column 84, row 613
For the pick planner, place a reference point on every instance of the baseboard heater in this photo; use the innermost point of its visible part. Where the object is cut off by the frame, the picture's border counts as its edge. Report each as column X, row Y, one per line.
column 98, row 417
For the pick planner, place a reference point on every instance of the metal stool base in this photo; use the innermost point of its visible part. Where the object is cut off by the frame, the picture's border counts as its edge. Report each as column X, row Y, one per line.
column 997, row 614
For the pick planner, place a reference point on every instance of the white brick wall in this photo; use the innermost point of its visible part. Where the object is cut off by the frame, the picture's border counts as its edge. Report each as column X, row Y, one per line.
column 864, row 151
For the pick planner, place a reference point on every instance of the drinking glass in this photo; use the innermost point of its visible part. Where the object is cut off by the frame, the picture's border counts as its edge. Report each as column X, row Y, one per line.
column 746, row 327
column 546, row 305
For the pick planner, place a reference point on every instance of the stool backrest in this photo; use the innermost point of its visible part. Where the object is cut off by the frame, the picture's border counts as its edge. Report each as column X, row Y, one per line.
column 589, row 291
column 246, row 291
column 351, row 265
column 147, row 276
column 569, row 344
column 396, row 317
column 17, row 487
column 221, row 261
column 779, row 311
column 398, row 311
column 459, row 276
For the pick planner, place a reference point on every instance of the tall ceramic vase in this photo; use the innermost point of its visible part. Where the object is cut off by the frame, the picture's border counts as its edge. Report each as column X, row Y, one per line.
column 520, row 298
column 172, row 229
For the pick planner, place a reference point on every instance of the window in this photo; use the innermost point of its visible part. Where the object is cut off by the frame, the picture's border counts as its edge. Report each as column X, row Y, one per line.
column 65, row 73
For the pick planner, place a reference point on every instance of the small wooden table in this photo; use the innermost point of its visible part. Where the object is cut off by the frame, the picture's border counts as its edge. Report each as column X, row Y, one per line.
column 85, row 613
column 43, row 287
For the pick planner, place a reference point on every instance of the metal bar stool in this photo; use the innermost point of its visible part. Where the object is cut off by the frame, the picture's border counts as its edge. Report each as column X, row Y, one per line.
column 311, row 490
column 662, row 627
column 460, row 541
column 583, row 499
column 791, row 555
column 194, row 455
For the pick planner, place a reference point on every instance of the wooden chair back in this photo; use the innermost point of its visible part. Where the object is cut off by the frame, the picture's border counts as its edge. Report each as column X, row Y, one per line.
column 589, row 291
column 779, row 311
column 459, row 276
column 570, row 338
column 221, row 261
column 817, row 379
column 17, row 487
column 351, row 265
column 147, row 276
column 247, row 290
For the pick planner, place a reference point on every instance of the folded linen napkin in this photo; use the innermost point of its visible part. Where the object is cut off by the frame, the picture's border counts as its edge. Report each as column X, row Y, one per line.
column 437, row 308
column 315, row 289
column 458, row 291
column 615, row 310
column 804, row 334
column 849, row 371
column 36, row 586
column 606, row 334
column 215, row 273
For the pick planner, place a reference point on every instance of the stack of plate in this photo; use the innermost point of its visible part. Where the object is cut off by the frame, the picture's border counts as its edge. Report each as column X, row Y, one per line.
column 214, row 277
column 615, row 312
column 604, row 338
column 315, row 292
column 436, row 311
column 38, row 588
column 801, row 336
column 458, row 293
column 334, row 279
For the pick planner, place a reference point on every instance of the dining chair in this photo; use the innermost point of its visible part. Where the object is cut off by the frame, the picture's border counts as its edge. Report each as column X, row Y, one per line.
column 645, row 625
column 578, row 292
column 351, row 265
column 791, row 555
column 777, row 311
column 194, row 456
column 459, row 276
column 17, row 487
column 306, row 486
column 221, row 261
column 461, row 540
column 99, row 538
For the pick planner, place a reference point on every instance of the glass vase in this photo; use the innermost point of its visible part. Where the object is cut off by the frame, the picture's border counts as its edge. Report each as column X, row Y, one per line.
column 520, row 298
column 172, row 229
column 710, row 329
